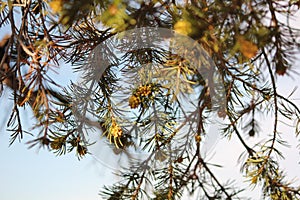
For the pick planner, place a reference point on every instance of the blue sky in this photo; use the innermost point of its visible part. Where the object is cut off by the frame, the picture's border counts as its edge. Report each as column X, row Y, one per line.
column 32, row 174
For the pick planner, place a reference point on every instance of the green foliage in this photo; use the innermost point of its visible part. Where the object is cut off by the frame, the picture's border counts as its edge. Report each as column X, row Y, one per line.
column 247, row 41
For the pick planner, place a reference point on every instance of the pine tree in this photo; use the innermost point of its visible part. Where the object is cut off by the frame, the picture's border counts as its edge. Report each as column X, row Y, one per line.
column 221, row 62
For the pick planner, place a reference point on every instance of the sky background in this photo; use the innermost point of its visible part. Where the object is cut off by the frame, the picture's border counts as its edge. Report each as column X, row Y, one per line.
column 32, row 174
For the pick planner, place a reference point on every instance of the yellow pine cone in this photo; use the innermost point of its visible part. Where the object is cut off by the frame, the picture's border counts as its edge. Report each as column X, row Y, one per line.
column 141, row 91
column 115, row 130
column 134, row 101
column 57, row 143
column 198, row 138
column 81, row 150
column 145, row 90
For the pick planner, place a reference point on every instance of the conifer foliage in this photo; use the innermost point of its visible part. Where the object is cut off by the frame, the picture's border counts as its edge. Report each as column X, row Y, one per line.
column 153, row 100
